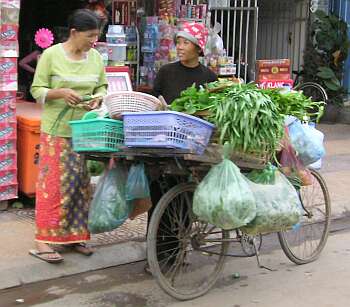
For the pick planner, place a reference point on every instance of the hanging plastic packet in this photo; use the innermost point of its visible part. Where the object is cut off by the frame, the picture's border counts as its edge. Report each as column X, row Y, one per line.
column 291, row 166
column 277, row 206
column 307, row 141
column 137, row 190
column 224, row 198
column 109, row 208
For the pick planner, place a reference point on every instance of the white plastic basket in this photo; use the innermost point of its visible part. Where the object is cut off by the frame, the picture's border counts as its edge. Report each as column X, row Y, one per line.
column 126, row 101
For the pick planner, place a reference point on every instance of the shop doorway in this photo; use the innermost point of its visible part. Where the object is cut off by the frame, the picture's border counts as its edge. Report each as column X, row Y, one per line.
column 239, row 26
column 36, row 14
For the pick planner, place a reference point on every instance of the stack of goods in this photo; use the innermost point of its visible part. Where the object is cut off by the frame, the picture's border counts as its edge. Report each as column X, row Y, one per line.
column 9, row 15
column 149, row 49
column 274, row 74
column 116, row 41
column 193, row 11
column 167, row 9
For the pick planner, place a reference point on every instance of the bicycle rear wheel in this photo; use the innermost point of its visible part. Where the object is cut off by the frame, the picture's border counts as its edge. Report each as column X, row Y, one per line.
column 313, row 90
column 180, row 259
column 305, row 242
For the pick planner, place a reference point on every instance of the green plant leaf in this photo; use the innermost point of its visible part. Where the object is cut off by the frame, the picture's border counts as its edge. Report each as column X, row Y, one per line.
column 325, row 73
column 332, row 84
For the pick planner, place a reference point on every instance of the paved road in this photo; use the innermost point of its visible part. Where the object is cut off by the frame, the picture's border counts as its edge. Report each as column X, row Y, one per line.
column 324, row 283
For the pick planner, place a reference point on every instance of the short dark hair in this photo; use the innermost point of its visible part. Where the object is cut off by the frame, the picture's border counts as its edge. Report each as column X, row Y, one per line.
column 83, row 20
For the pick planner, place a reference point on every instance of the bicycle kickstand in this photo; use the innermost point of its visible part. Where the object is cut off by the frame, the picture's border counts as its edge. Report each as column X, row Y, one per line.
column 258, row 258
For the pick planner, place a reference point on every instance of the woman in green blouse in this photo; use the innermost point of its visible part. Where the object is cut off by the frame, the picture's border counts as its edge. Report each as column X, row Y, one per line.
column 65, row 73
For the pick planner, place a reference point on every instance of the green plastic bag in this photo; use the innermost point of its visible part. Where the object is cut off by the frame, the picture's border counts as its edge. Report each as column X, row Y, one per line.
column 224, row 198
column 265, row 176
column 278, row 206
column 109, row 208
column 137, row 186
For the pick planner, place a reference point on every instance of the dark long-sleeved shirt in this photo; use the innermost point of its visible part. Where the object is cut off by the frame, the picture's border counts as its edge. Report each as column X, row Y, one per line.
column 175, row 77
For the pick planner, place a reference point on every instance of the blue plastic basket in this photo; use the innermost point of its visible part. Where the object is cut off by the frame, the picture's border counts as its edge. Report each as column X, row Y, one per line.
column 166, row 130
column 100, row 134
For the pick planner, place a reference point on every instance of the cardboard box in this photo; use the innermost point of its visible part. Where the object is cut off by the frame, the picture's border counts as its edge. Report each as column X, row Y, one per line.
column 8, row 116
column 273, row 69
column 8, row 66
column 8, row 177
column 8, row 32
column 9, row 49
column 10, row 3
column 7, row 101
column 8, row 146
column 8, row 74
column 8, row 131
column 8, row 192
column 8, row 161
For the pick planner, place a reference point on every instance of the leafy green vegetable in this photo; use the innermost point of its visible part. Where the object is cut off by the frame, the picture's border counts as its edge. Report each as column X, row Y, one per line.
column 295, row 103
column 192, row 100
column 247, row 119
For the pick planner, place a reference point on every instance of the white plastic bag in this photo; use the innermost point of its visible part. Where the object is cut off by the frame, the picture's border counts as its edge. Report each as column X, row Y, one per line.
column 215, row 44
column 278, row 206
column 224, row 198
column 307, row 142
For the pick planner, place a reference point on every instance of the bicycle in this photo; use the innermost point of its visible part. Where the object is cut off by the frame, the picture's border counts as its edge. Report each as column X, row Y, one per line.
column 191, row 267
column 310, row 89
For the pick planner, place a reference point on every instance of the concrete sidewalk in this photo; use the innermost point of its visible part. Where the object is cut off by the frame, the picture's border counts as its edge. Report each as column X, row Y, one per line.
column 17, row 267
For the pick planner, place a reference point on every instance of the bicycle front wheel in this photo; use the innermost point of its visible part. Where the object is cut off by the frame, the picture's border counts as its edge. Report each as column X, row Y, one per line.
column 185, row 255
column 305, row 242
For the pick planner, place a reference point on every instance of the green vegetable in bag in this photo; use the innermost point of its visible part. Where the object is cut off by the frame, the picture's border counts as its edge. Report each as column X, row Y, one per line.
column 278, row 206
column 224, row 198
column 265, row 176
column 109, row 208
column 95, row 168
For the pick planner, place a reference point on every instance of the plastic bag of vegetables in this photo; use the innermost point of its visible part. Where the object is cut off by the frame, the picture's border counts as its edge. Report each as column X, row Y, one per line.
column 224, row 198
column 291, row 166
column 109, row 208
column 307, row 142
column 137, row 190
column 278, row 206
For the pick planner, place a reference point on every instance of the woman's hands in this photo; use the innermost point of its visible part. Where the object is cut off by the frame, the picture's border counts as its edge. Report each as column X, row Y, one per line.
column 93, row 104
column 71, row 97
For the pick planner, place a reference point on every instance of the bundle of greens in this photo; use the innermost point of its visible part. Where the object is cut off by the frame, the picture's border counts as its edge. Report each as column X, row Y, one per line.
column 247, row 119
column 192, row 100
column 295, row 103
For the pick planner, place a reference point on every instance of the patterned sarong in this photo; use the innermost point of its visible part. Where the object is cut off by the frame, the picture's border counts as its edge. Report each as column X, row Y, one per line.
column 63, row 193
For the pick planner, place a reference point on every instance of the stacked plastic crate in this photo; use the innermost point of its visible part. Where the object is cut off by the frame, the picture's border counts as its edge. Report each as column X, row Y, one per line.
column 9, row 19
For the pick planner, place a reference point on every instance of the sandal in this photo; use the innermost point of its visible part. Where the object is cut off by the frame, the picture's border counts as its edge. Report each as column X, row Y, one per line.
column 41, row 256
column 82, row 248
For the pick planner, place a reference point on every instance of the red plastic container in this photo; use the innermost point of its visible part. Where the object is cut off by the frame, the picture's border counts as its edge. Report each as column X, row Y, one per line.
column 28, row 145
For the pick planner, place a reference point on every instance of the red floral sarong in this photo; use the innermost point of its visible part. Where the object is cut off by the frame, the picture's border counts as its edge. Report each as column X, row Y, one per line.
column 63, row 193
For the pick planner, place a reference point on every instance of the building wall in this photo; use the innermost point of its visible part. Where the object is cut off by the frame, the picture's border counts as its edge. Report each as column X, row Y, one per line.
column 342, row 9
column 282, row 30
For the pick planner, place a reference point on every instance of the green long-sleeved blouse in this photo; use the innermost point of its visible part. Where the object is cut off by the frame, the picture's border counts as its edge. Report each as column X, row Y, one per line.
column 56, row 70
